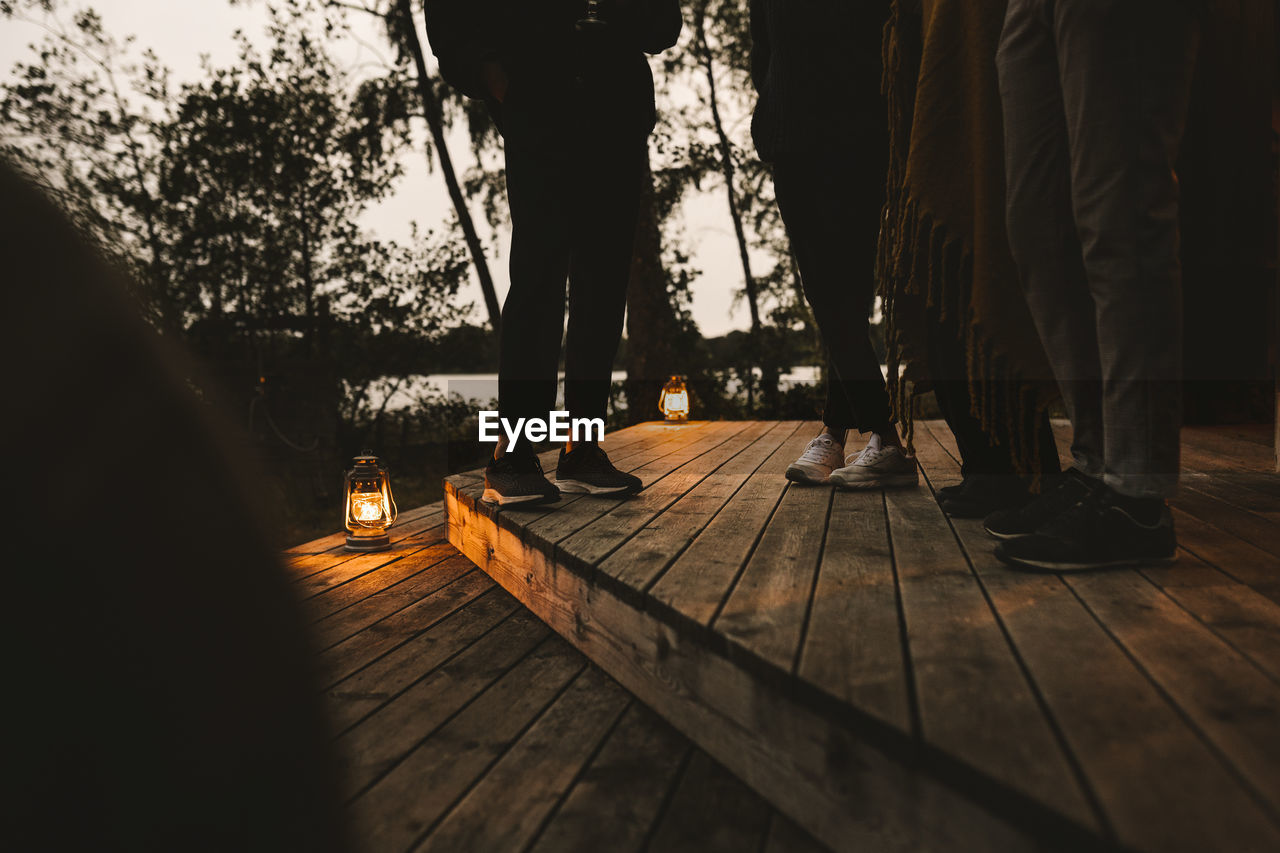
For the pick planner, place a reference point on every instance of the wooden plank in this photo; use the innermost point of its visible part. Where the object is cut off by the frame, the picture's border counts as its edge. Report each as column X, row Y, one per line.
column 401, row 807
column 376, row 639
column 696, row 584
column 1224, row 448
column 523, row 781
column 712, row 811
column 554, row 521
column 639, row 561
column 1243, row 617
column 409, row 520
column 786, row 837
column 1240, row 490
column 1267, row 484
column 657, row 440
column 390, row 734
column 853, row 648
column 766, row 609
column 1156, row 782
column 369, row 688
column 961, row 659
column 616, row 801
column 1240, row 523
column 556, row 526
column 1235, row 705
column 592, row 543
column 1247, row 563
column 366, row 564
column 811, row 762
column 625, row 441
column 350, row 620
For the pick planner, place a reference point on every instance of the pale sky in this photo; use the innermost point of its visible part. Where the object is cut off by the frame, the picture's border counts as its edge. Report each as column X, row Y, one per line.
column 181, row 31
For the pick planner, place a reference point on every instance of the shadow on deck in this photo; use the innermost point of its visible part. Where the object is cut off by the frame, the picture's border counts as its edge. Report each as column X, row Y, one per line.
column 867, row 666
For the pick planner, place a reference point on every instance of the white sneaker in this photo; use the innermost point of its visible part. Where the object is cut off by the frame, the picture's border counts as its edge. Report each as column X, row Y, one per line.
column 877, row 467
column 820, row 458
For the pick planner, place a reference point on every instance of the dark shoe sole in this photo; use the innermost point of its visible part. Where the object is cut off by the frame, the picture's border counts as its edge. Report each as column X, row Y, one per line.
column 579, row 487
column 1023, row 564
column 965, row 512
column 493, row 496
column 799, row 475
column 1005, row 537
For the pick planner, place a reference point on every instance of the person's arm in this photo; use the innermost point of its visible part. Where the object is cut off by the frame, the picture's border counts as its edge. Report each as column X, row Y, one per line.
column 760, row 46
column 654, row 25
column 469, row 55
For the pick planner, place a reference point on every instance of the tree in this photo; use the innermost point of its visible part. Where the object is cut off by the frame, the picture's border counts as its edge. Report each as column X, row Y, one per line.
column 237, row 199
column 410, row 72
column 713, row 62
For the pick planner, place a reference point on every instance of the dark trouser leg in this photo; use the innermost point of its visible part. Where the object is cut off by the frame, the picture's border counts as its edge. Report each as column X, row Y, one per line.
column 1095, row 95
column 979, row 454
column 606, row 203
column 538, row 178
column 1126, row 70
column 1042, row 230
column 832, row 211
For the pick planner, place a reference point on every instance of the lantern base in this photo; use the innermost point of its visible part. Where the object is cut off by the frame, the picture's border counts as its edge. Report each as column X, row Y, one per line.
column 368, row 543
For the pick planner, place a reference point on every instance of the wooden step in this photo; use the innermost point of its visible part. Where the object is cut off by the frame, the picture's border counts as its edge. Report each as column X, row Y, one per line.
column 865, row 664
column 464, row 724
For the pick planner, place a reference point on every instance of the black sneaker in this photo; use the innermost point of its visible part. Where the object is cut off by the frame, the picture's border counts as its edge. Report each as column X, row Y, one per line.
column 1071, row 488
column 516, row 478
column 1096, row 533
column 948, row 492
column 983, row 494
column 587, row 470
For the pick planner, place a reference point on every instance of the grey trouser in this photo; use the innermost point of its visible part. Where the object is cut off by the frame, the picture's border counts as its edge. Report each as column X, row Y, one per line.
column 1095, row 98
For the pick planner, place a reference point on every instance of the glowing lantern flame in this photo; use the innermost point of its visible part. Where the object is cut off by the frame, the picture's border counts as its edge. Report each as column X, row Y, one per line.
column 674, row 401
column 369, row 505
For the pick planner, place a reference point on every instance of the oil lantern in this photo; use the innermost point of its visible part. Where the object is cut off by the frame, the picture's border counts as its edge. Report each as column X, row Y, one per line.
column 674, row 401
column 370, row 507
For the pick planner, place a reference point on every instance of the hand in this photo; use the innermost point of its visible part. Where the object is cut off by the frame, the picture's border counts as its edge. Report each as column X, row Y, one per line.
column 495, row 79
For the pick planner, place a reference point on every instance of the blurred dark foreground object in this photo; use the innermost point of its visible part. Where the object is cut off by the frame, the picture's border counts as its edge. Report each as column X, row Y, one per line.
column 159, row 690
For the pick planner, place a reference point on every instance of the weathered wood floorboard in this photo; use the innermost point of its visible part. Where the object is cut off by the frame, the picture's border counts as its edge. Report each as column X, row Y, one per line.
column 823, row 643
column 641, row 559
column 1134, row 747
column 961, row 657
column 853, row 648
column 696, row 584
column 484, row 733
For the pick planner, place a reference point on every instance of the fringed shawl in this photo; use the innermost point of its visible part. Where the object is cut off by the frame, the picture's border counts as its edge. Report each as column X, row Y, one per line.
column 944, row 255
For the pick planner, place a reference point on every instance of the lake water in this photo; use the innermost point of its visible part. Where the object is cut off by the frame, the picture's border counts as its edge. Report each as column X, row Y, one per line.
column 480, row 388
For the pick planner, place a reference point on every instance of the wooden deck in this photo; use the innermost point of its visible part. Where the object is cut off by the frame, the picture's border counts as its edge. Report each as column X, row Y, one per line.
column 867, row 666
column 465, row 724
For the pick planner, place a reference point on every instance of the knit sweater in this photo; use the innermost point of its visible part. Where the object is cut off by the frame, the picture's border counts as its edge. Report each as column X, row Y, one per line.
column 944, row 252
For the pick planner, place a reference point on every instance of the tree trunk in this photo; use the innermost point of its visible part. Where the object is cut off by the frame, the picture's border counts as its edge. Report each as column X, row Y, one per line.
column 735, row 214
column 651, row 321
column 435, row 122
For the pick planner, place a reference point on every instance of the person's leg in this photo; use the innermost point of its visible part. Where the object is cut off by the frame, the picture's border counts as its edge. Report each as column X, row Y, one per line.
column 533, row 312
column 979, row 453
column 606, row 200
column 986, row 463
column 1126, row 70
column 1042, row 233
column 605, row 196
column 816, row 200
